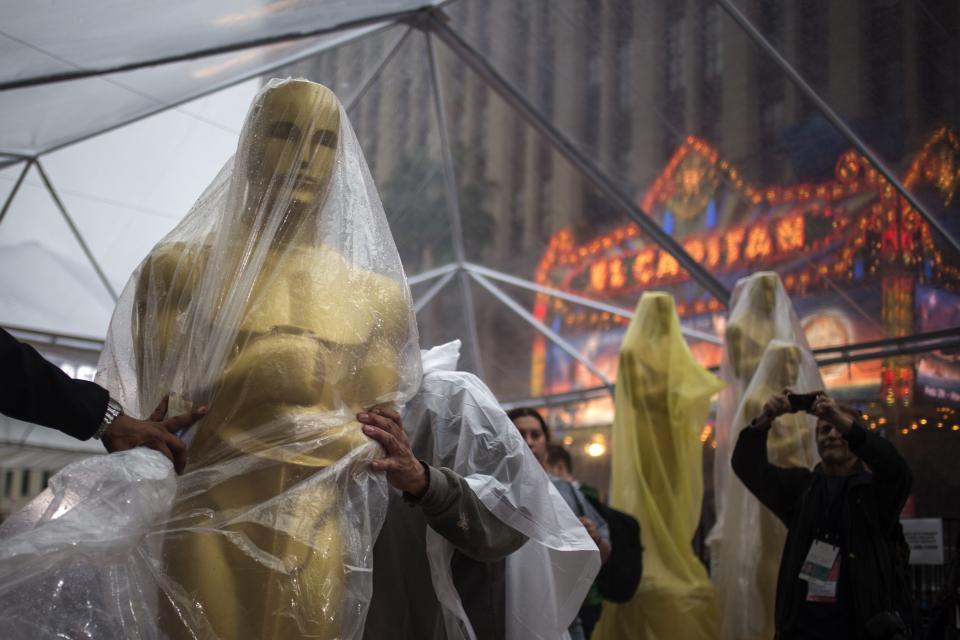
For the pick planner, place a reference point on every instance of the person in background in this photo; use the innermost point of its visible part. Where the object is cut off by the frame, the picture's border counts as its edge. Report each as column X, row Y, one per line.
column 470, row 541
column 536, row 434
column 840, row 575
column 35, row 390
column 560, row 464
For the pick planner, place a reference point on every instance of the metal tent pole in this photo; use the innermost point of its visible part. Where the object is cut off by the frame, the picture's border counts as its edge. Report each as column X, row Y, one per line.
column 888, row 347
column 16, row 187
column 76, row 232
column 430, row 274
column 433, row 291
column 385, row 18
column 587, row 167
column 453, row 210
column 754, row 34
column 377, row 72
column 10, row 161
column 551, row 335
column 580, row 300
column 553, row 399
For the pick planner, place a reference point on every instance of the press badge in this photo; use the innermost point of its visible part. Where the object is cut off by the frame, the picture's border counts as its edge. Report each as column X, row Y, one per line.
column 820, row 563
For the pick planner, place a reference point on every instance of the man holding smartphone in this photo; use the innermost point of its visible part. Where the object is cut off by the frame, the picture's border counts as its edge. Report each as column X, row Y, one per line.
column 840, row 573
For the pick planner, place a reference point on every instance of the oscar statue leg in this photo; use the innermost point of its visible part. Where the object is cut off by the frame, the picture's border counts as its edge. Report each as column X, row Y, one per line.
column 258, row 555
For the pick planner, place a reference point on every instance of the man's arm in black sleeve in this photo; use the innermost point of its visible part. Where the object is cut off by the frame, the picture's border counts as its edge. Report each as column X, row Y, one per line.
column 35, row 390
column 454, row 511
column 776, row 487
column 891, row 475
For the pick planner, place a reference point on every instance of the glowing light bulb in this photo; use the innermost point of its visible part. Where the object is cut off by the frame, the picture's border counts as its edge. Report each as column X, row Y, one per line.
column 595, row 449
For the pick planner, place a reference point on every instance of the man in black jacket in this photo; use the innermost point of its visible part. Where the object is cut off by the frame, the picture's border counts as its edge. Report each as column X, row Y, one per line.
column 840, row 566
column 35, row 390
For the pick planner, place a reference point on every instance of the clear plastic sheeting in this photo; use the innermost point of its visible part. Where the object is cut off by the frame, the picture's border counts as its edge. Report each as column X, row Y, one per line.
column 279, row 302
column 454, row 421
column 662, row 401
column 765, row 352
column 77, row 561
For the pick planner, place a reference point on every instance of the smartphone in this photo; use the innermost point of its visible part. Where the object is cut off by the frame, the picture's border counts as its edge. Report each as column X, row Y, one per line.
column 802, row 401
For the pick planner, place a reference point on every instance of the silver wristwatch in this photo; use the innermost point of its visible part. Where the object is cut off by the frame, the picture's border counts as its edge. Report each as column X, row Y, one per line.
column 114, row 411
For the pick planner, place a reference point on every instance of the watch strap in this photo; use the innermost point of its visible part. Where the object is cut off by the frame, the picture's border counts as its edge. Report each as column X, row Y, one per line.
column 113, row 411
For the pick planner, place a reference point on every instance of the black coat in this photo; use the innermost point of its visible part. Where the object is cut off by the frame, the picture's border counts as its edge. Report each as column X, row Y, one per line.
column 869, row 522
column 35, row 390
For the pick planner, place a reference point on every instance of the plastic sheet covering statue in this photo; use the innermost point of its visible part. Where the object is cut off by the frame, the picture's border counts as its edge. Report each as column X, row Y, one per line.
column 765, row 352
column 662, row 401
column 75, row 562
column 279, row 302
column 455, row 421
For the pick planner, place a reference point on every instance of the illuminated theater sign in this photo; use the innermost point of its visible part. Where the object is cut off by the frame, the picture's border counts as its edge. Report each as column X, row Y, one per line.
column 854, row 256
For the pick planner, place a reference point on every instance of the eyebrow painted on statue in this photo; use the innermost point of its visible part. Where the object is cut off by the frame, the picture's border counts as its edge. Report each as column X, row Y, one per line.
column 325, row 137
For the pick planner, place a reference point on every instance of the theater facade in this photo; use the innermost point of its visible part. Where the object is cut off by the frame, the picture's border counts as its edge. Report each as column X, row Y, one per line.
column 859, row 263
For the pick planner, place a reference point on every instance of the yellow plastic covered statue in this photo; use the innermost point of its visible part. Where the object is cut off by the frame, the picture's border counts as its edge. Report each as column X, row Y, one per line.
column 662, row 400
column 281, row 304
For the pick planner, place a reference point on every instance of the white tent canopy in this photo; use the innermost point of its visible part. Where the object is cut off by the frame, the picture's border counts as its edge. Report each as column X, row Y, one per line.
column 75, row 70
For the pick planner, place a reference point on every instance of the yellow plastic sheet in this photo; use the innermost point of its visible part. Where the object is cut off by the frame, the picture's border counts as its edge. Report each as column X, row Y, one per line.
column 662, row 400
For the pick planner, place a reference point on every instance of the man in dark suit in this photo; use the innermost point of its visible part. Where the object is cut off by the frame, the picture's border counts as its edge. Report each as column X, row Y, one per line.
column 35, row 390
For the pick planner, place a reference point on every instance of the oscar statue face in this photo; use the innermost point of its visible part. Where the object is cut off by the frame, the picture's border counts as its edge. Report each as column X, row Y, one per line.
column 747, row 338
column 294, row 146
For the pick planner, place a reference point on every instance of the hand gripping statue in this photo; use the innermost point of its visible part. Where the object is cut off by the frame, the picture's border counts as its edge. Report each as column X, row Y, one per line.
column 280, row 303
column 765, row 352
column 662, row 400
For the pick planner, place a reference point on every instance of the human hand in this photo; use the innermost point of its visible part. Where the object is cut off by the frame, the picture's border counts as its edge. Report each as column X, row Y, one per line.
column 594, row 534
column 777, row 405
column 404, row 471
column 156, row 432
column 591, row 528
column 827, row 409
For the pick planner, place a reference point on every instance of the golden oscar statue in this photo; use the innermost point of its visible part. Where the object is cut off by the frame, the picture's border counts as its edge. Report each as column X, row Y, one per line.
column 273, row 318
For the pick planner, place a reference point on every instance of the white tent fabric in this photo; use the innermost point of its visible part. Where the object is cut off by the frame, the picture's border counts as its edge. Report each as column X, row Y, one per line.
column 39, row 41
column 46, row 290
column 32, row 119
